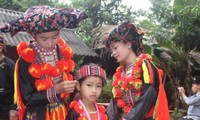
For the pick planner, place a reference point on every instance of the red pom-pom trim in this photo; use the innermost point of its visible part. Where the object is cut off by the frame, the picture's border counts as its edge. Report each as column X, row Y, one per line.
column 62, row 65
column 102, row 109
column 73, row 103
column 78, row 108
column 71, row 65
column 21, row 46
column 28, row 55
column 61, row 42
column 82, row 118
column 46, row 68
column 55, row 72
column 35, row 70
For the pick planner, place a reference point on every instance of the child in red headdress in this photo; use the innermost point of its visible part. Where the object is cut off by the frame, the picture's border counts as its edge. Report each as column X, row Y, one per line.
column 42, row 72
column 91, row 79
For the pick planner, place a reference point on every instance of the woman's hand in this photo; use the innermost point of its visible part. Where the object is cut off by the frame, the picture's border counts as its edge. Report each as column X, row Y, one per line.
column 65, row 86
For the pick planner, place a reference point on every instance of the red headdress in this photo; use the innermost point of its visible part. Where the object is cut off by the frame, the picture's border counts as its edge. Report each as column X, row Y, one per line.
column 43, row 19
column 91, row 69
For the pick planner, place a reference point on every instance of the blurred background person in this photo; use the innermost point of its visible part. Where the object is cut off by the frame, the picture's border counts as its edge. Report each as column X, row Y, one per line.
column 193, row 112
column 6, row 81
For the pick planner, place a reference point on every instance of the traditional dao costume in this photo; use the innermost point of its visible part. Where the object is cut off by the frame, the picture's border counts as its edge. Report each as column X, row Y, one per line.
column 78, row 110
column 140, row 95
column 37, row 69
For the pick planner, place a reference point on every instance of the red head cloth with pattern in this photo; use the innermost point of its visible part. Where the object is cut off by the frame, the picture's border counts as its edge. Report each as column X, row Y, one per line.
column 88, row 70
column 126, row 32
column 2, row 41
column 38, row 19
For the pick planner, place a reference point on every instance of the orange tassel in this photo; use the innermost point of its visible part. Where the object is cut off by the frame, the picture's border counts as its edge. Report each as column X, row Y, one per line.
column 47, row 115
column 161, row 109
column 53, row 115
column 50, row 115
column 64, row 111
column 17, row 94
column 65, row 77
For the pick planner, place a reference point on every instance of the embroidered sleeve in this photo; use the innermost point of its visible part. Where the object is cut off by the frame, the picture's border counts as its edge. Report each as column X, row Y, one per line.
column 52, row 95
column 144, row 104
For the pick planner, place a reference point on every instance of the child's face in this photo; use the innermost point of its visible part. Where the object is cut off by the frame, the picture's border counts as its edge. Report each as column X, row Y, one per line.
column 90, row 89
column 47, row 40
column 195, row 88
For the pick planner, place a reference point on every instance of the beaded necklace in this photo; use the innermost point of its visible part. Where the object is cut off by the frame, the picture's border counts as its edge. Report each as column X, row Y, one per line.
column 46, row 55
column 80, row 108
column 43, row 71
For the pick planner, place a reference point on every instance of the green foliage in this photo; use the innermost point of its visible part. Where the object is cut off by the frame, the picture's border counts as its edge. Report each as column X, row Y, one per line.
column 101, row 12
column 161, row 11
column 158, row 24
column 181, row 4
column 177, row 114
column 175, row 30
column 106, row 93
column 25, row 4
column 9, row 4
column 188, row 28
column 78, row 60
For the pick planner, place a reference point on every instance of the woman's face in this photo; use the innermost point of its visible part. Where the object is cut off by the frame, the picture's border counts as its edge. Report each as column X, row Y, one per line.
column 47, row 40
column 120, row 50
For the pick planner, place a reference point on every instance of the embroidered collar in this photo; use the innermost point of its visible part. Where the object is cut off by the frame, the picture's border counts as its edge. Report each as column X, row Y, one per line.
column 80, row 108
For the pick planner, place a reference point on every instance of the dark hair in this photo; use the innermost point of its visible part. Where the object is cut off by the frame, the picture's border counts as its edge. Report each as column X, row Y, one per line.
column 196, row 79
column 82, row 79
column 127, row 32
column 136, row 50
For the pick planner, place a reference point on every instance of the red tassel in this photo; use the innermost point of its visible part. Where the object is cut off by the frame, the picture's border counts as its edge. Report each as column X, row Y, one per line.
column 47, row 115
column 161, row 110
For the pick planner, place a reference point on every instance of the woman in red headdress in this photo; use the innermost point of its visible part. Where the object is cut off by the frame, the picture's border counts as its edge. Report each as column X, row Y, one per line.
column 136, row 90
column 42, row 72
